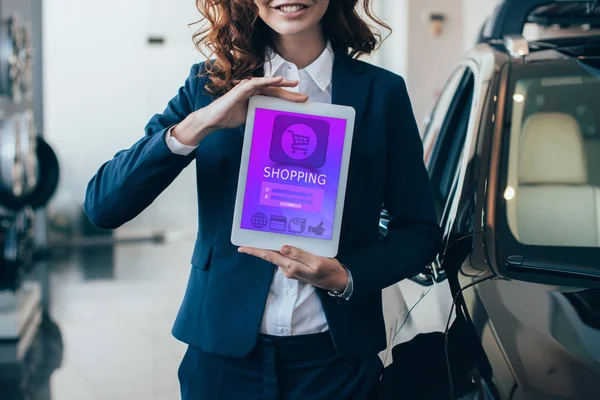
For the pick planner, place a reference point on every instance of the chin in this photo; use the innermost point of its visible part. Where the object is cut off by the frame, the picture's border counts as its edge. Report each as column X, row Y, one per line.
column 293, row 29
column 304, row 17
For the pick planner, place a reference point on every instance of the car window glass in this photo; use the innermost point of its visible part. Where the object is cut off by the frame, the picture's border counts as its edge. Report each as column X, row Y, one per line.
column 457, row 145
column 450, row 142
column 553, row 178
column 439, row 112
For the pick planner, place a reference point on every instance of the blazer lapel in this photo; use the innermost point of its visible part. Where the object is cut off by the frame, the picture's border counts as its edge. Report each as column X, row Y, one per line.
column 350, row 85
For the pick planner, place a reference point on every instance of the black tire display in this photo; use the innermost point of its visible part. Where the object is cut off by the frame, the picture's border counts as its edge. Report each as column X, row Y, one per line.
column 48, row 178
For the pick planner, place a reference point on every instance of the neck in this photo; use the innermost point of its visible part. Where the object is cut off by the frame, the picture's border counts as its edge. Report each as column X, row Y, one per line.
column 301, row 49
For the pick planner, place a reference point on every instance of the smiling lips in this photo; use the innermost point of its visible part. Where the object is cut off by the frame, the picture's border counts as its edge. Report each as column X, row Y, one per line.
column 291, row 8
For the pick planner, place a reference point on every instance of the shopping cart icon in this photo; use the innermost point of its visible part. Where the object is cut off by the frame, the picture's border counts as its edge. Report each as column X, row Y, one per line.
column 300, row 142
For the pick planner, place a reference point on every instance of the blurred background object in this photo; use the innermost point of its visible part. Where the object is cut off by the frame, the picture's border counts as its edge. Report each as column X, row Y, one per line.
column 29, row 174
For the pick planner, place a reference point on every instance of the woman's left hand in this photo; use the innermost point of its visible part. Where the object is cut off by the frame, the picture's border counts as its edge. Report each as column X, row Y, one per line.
column 322, row 272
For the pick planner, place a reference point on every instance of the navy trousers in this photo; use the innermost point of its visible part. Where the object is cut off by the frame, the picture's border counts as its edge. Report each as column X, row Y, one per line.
column 280, row 368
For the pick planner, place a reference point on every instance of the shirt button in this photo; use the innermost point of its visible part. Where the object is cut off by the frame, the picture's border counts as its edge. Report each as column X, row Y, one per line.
column 291, row 292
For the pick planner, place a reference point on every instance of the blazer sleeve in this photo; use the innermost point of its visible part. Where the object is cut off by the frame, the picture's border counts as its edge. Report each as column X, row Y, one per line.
column 414, row 236
column 124, row 186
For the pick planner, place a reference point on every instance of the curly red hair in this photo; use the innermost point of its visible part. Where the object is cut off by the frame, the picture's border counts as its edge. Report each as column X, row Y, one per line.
column 238, row 39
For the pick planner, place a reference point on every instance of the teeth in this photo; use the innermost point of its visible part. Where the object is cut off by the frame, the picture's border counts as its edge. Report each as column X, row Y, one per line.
column 291, row 8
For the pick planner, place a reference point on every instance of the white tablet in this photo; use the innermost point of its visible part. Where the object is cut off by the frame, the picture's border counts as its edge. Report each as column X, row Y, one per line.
column 293, row 175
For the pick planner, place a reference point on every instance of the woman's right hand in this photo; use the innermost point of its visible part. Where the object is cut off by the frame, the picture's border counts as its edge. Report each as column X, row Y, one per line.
column 229, row 110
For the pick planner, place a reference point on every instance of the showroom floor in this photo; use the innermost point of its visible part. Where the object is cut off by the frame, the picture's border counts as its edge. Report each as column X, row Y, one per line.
column 114, row 317
column 112, row 311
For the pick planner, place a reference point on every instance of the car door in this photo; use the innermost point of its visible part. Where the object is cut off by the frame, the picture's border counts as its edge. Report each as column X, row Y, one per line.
column 539, row 325
column 393, row 298
column 535, row 335
column 450, row 132
column 453, row 168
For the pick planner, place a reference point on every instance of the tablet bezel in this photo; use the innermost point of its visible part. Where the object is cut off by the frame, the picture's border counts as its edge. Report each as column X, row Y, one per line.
column 274, row 241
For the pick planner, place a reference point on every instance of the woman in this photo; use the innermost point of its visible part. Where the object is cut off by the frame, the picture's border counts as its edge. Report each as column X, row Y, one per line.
column 288, row 324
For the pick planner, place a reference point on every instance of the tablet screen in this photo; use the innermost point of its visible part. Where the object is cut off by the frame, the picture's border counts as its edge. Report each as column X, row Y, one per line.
column 293, row 174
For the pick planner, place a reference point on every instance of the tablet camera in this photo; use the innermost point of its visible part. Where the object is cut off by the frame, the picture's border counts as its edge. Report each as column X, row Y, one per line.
column 299, row 141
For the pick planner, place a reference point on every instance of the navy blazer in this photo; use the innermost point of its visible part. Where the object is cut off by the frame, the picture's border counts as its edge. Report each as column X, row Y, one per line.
column 226, row 292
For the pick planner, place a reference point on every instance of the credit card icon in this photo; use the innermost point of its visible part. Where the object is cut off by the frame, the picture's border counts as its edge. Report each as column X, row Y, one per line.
column 278, row 223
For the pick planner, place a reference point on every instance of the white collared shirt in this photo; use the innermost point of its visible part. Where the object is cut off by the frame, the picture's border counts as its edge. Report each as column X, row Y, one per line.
column 292, row 307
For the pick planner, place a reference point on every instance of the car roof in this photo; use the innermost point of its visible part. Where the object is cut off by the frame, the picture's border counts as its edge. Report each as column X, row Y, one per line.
column 555, row 49
column 510, row 16
column 573, row 27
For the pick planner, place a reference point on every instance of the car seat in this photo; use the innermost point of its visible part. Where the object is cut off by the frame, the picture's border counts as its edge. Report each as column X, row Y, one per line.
column 555, row 204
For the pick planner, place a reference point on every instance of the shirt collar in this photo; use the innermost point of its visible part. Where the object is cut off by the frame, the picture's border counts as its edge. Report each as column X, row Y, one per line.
column 320, row 70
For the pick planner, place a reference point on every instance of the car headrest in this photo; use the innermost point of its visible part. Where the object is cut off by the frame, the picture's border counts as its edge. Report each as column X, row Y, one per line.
column 552, row 151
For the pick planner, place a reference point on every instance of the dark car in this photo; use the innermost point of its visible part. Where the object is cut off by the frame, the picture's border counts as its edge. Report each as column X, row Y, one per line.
column 513, row 152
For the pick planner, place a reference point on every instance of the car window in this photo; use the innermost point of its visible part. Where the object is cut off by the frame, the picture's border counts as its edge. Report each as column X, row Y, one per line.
column 438, row 115
column 449, row 145
column 434, row 126
column 552, row 191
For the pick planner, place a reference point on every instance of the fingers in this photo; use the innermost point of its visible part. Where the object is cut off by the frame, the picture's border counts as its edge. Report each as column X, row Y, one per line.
column 291, row 268
column 258, row 83
column 299, row 255
column 273, row 87
column 267, row 255
column 284, row 94
column 265, row 81
column 283, row 83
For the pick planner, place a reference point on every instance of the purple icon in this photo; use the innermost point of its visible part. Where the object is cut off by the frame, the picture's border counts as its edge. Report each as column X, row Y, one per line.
column 317, row 230
column 259, row 220
column 299, row 141
column 297, row 225
column 278, row 223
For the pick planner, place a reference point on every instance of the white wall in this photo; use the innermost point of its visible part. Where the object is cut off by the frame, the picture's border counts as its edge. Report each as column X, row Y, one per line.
column 393, row 54
column 431, row 59
column 103, row 83
column 423, row 59
column 475, row 13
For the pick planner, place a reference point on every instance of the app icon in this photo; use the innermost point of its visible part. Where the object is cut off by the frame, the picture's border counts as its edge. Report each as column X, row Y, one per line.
column 297, row 225
column 299, row 141
column 278, row 224
column 259, row 220
column 317, row 230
